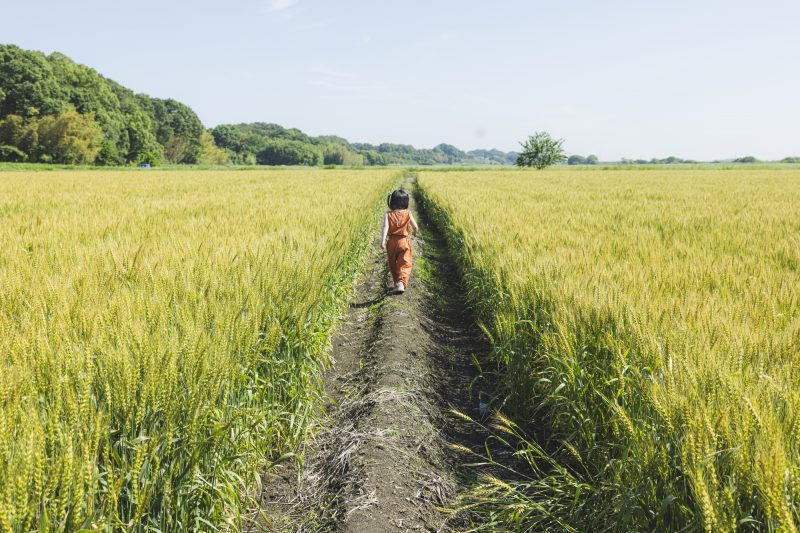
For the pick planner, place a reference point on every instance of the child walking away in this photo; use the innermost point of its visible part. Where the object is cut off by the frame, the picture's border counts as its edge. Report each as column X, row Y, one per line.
column 395, row 238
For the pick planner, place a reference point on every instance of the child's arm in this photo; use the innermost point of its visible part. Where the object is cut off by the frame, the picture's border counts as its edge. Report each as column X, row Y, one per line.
column 385, row 230
column 414, row 226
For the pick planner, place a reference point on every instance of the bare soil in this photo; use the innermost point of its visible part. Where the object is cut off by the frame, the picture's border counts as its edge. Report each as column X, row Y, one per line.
column 382, row 460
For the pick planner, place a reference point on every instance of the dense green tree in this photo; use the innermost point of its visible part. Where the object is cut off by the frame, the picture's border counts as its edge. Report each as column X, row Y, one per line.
column 288, row 152
column 397, row 154
column 141, row 141
column 540, row 150
column 252, row 143
column 492, row 156
column 450, row 152
column 241, row 147
column 89, row 92
column 396, row 148
column 136, row 128
column 340, row 154
column 274, row 131
column 746, row 159
column 29, row 85
column 227, row 136
column 12, row 154
column 70, row 137
column 373, row 158
column 177, row 128
column 210, row 153
column 330, row 139
column 364, row 147
column 257, row 142
column 670, row 160
column 333, row 154
column 118, row 149
column 16, row 131
column 580, row 160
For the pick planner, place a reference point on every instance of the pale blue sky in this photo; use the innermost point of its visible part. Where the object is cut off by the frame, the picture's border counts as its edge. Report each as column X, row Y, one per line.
column 697, row 79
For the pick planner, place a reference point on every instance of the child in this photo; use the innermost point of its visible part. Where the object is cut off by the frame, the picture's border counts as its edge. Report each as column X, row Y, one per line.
column 395, row 238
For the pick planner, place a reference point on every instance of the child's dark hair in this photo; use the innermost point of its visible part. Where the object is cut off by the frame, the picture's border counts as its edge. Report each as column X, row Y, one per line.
column 398, row 199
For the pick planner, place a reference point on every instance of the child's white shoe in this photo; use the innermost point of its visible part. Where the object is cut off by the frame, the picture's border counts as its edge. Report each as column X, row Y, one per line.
column 399, row 287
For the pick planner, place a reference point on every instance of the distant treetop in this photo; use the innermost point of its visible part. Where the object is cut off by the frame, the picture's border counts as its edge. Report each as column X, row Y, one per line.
column 540, row 151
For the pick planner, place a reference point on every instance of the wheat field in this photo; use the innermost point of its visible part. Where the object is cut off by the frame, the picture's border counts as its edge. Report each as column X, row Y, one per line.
column 162, row 335
column 646, row 328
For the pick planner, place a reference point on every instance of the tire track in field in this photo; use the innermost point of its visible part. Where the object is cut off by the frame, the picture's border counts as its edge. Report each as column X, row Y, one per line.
column 382, row 462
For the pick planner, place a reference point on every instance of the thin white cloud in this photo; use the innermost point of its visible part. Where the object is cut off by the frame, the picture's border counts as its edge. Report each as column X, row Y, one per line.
column 375, row 89
column 314, row 25
column 279, row 5
column 332, row 72
column 334, row 81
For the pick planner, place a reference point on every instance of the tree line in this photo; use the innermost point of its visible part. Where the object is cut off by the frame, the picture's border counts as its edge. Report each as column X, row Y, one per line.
column 261, row 143
column 55, row 110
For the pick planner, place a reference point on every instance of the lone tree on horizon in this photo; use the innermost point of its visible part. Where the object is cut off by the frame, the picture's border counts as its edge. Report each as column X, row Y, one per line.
column 540, row 151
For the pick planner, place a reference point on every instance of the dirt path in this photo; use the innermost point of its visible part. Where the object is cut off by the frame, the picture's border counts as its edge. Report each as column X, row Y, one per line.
column 382, row 462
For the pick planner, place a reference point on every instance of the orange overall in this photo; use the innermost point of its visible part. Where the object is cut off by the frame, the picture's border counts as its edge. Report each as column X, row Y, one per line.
column 398, row 247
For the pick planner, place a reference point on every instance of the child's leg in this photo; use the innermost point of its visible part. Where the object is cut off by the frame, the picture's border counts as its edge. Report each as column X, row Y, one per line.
column 403, row 261
column 391, row 254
